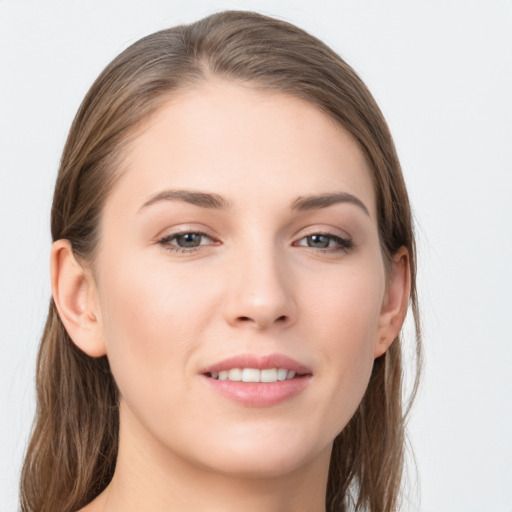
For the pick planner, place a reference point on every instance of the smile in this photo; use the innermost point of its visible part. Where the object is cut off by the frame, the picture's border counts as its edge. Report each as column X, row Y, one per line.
column 257, row 381
column 254, row 374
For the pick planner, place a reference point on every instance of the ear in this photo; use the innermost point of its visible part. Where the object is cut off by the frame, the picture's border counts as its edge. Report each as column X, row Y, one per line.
column 74, row 295
column 396, row 301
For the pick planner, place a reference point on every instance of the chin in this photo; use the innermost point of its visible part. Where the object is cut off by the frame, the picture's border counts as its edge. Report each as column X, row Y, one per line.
column 261, row 456
column 260, row 466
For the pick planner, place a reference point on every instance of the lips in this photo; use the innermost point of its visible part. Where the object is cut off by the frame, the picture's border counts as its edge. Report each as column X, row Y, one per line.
column 259, row 363
column 258, row 381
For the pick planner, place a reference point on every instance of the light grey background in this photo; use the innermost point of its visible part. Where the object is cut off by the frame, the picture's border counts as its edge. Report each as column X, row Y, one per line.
column 441, row 72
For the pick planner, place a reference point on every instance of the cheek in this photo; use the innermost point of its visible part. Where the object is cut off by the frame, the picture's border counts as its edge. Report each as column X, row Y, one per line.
column 151, row 329
column 347, row 306
column 346, row 317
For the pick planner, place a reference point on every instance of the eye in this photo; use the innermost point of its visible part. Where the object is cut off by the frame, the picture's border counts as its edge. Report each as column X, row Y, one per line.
column 185, row 242
column 326, row 242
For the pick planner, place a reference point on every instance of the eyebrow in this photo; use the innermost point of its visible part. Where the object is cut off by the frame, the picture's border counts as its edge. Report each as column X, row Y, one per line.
column 315, row 202
column 202, row 199
column 217, row 202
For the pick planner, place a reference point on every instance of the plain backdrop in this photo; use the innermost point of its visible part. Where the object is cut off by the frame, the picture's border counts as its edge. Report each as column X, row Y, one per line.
column 441, row 72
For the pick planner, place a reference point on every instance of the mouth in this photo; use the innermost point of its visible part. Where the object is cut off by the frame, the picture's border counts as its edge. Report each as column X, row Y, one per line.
column 254, row 374
column 255, row 368
column 258, row 381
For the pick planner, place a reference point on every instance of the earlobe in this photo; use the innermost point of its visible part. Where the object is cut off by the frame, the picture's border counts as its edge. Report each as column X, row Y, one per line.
column 72, row 289
column 396, row 301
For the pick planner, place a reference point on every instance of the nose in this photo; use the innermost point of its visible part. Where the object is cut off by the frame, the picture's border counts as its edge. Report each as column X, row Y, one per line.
column 260, row 293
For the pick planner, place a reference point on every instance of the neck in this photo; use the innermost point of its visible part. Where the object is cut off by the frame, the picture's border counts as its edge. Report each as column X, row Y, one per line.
column 150, row 478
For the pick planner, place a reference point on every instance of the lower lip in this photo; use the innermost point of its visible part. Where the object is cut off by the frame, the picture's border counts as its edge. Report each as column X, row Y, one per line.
column 259, row 394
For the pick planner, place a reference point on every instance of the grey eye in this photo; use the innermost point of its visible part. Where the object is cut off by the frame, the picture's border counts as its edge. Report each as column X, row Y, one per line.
column 318, row 241
column 189, row 240
column 326, row 242
column 185, row 241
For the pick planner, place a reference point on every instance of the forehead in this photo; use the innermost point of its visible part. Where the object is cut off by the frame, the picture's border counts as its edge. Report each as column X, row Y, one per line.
column 249, row 145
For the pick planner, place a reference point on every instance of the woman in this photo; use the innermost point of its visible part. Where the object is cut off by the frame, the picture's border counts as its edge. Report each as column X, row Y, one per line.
column 232, row 263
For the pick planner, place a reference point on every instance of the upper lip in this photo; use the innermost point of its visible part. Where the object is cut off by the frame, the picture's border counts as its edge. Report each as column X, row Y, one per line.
column 258, row 362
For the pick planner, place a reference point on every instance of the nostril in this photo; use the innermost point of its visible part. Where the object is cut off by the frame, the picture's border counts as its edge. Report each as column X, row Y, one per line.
column 281, row 319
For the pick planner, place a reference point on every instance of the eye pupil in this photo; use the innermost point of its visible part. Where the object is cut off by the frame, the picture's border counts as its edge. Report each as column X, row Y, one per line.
column 318, row 241
column 189, row 240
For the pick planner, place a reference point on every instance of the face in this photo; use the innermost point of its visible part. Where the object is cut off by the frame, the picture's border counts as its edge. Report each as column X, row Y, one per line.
column 240, row 243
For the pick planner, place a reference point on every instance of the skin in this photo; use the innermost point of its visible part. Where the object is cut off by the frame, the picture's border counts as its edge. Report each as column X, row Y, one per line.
column 257, row 284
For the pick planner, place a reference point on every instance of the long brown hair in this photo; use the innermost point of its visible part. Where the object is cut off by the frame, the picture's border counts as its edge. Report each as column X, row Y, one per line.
column 72, row 453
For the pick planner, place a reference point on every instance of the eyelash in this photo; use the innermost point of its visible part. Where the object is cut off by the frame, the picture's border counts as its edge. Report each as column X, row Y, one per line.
column 344, row 244
column 165, row 242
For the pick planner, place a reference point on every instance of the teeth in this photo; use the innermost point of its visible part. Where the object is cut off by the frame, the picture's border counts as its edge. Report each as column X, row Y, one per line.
column 269, row 375
column 250, row 375
column 235, row 374
column 282, row 373
column 254, row 375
